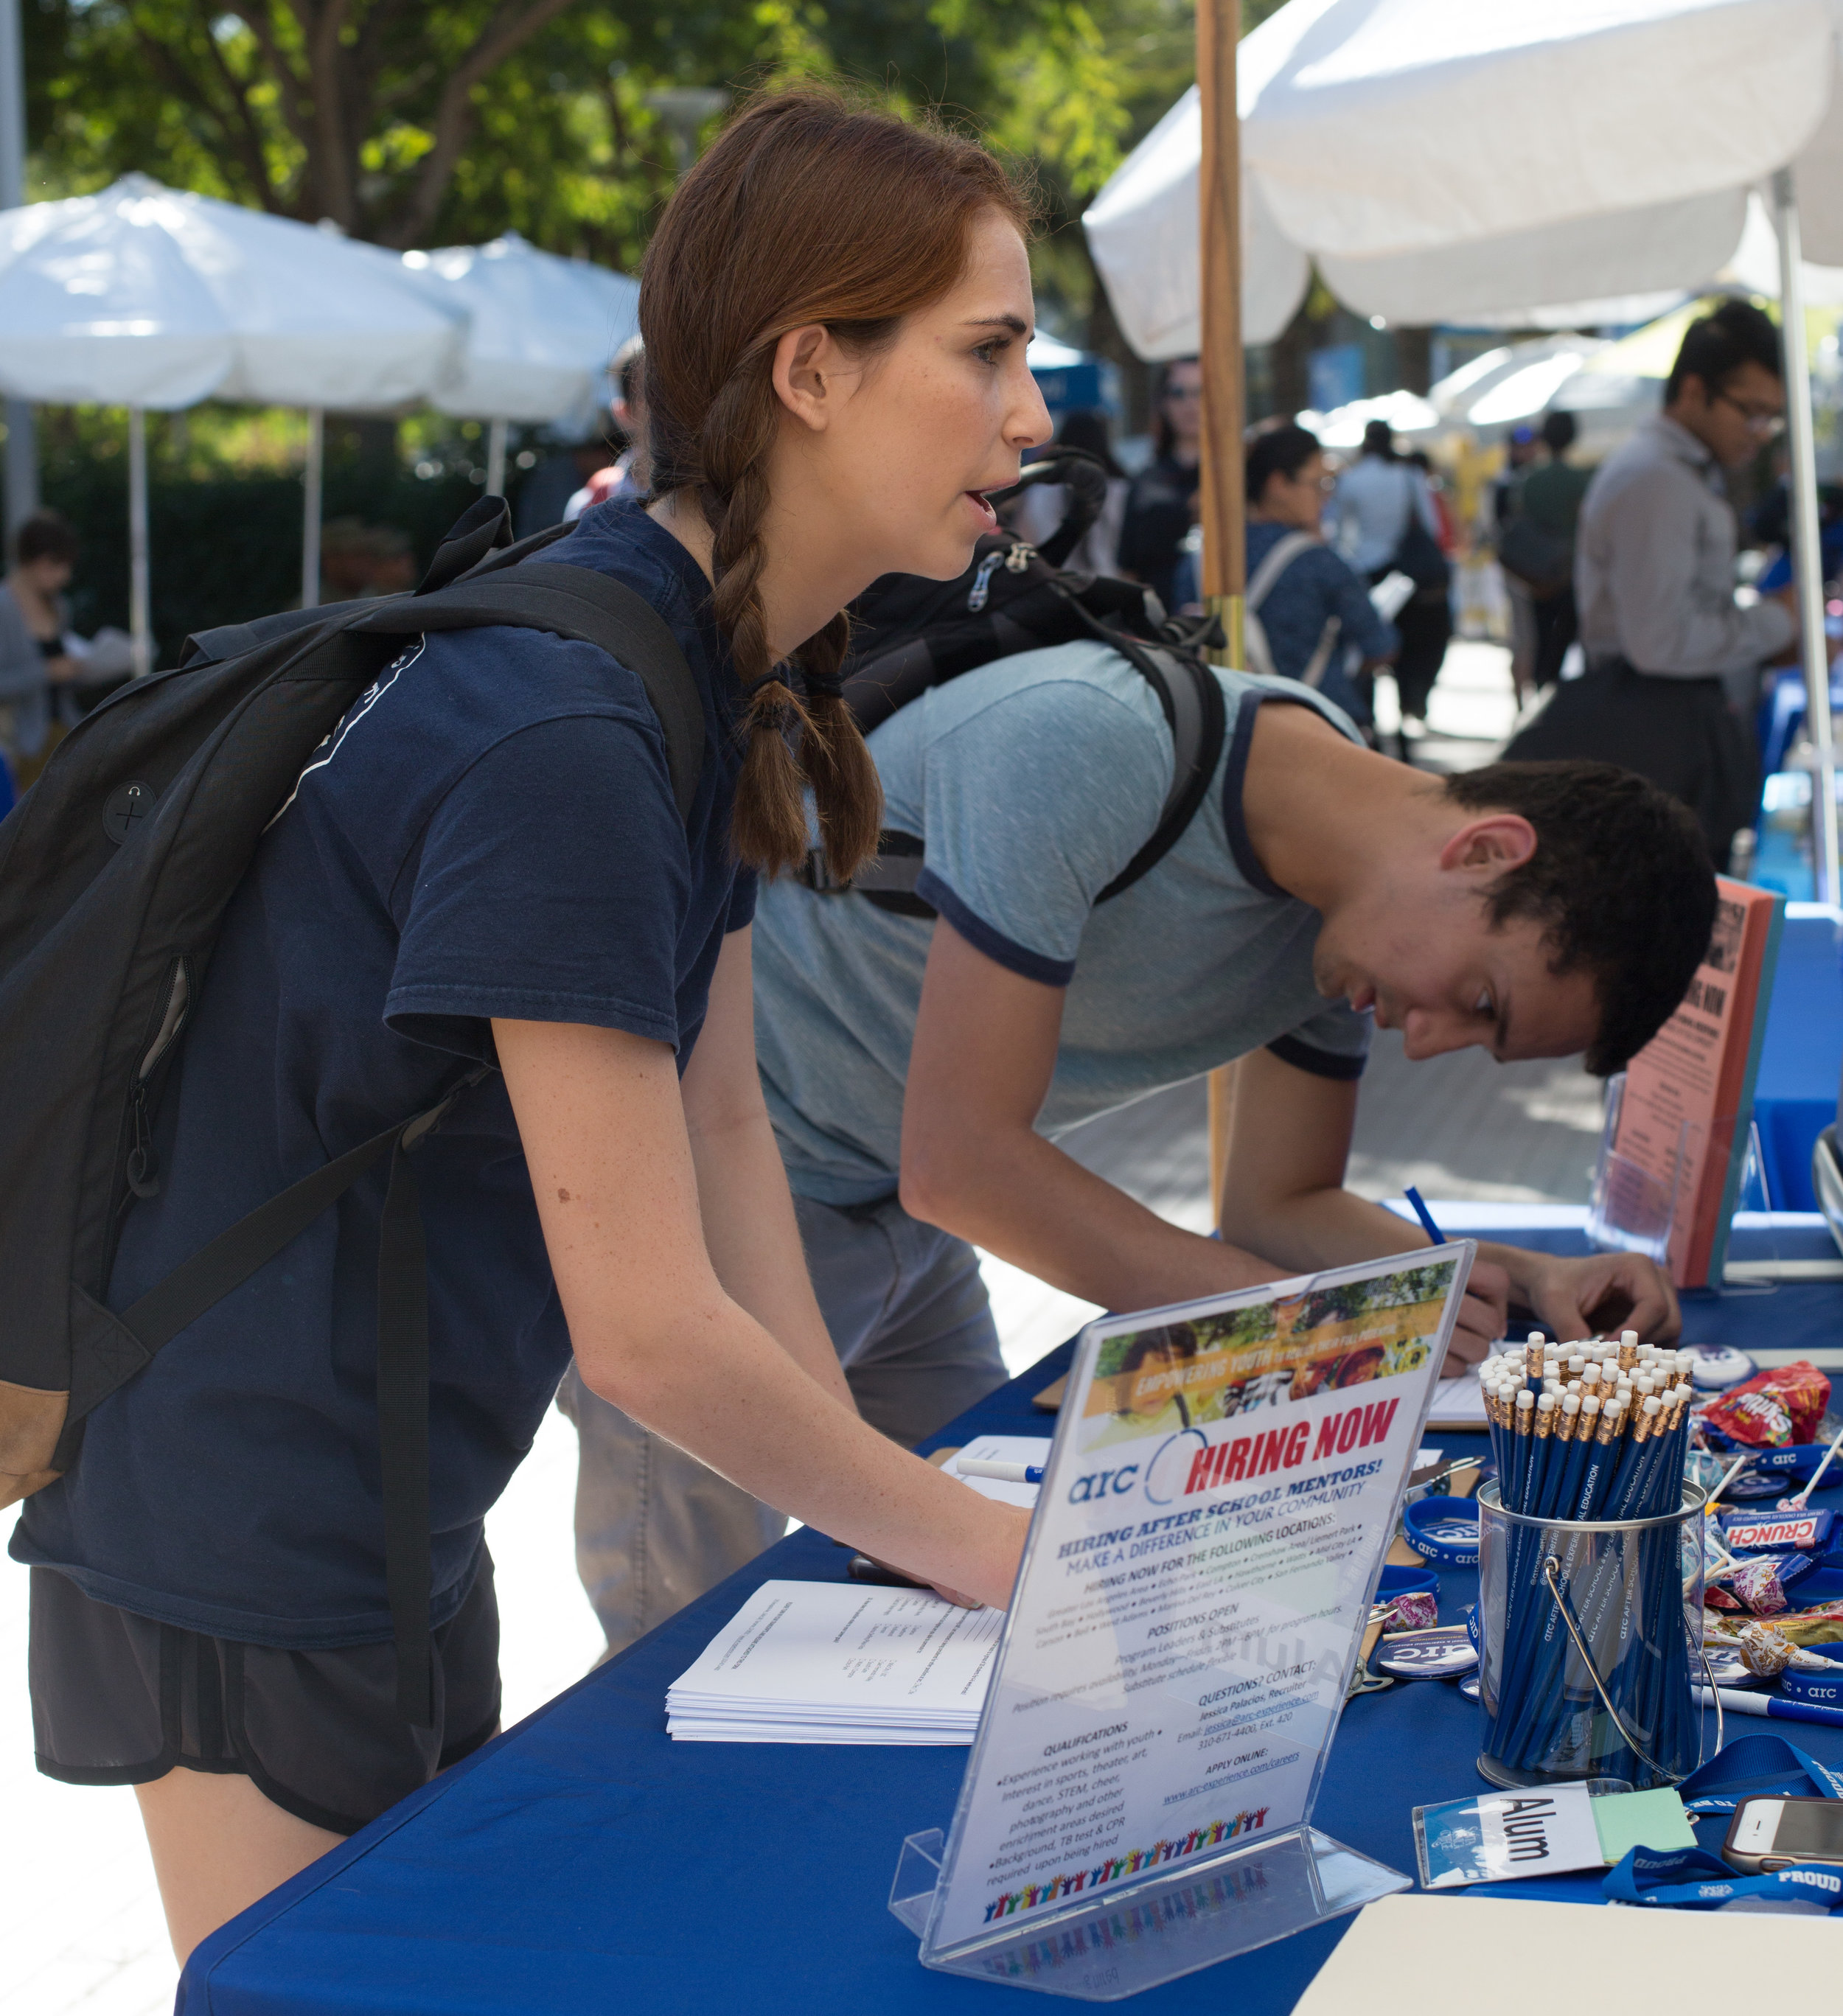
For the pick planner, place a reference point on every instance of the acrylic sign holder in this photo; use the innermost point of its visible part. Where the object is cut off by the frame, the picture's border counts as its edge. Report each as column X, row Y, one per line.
column 1145, row 1934
column 1174, row 1907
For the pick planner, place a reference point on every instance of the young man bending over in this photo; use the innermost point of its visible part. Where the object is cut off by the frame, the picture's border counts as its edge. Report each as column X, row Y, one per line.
column 918, row 1070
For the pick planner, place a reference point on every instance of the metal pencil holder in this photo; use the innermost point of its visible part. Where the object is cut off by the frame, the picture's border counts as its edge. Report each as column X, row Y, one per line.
column 1591, row 1631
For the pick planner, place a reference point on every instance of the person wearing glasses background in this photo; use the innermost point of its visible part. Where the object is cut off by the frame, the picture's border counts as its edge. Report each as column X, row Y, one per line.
column 1308, row 608
column 1672, row 660
column 1158, row 506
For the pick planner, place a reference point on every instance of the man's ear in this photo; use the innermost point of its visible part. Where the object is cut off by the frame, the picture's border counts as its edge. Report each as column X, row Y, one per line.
column 1497, row 843
column 807, row 363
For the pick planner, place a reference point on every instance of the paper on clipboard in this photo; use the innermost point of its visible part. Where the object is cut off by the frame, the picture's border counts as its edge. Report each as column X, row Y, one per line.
column 1459, row 1405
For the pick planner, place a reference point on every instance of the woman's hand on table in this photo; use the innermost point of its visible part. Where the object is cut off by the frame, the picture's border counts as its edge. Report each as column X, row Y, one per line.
column 1010, row 1525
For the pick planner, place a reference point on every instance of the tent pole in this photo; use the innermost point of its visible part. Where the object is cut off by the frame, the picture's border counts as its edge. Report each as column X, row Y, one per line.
column 22, row 443
column 1807, row 551
column 309, row 532
column 140, row 626
column 495, row 459
column 1223, row 514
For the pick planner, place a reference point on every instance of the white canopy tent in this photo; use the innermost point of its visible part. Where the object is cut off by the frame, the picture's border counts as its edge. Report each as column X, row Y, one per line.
column 1444, row 161
column 1570, row 159
column 541, row 330
column 144, row 297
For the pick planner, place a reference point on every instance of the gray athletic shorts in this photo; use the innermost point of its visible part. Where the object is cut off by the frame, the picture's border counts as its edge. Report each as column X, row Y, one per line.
column 120, row 1700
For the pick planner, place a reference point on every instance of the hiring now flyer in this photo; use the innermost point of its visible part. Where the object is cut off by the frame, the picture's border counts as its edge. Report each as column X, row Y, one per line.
column 1224, row 1482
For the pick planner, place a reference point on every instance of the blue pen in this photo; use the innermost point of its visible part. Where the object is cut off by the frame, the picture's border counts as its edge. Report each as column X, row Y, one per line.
column 1426, row 1216
column 1736, row 1702
column 999, row 1473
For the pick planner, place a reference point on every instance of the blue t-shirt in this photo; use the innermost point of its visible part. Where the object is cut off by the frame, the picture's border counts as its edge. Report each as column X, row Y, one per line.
column 1033, row 781
column 489, row 831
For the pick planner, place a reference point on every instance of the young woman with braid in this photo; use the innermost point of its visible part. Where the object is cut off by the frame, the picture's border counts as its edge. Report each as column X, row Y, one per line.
column 485, row 863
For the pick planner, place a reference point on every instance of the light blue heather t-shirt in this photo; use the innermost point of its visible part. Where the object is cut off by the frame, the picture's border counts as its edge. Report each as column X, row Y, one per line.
column 1033, row 782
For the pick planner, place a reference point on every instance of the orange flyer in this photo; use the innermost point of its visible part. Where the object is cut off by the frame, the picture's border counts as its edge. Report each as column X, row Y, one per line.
column 1688, row 1092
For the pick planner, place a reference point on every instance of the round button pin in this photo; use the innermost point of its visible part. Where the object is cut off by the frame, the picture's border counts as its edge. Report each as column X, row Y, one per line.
column 126, row 806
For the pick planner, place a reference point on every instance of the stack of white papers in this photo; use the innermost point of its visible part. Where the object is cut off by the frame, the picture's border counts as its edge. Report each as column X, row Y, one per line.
column 830, row 1663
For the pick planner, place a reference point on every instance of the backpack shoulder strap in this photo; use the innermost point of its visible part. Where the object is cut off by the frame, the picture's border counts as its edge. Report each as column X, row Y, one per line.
column 1280, row 556
column 592, row 607
column 1190, row 696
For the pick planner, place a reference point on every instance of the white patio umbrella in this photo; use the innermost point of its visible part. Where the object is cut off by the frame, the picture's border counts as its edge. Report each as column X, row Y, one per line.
column 542, row 331
column 145, row 297
column 1438, row 159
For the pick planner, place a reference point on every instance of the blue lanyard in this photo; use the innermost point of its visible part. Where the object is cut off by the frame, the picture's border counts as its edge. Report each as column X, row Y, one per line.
column 1753, row 1765
column 1692, row 1879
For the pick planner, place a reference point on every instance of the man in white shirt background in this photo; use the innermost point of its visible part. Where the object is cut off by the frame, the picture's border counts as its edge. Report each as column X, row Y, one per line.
column 1672, row 659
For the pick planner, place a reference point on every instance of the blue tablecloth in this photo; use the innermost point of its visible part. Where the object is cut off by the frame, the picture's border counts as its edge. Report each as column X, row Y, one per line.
column 584, row 1861
column 1801, row 1058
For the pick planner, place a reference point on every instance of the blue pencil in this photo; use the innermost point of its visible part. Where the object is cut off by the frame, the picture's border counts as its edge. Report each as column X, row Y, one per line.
column 1426, row 1216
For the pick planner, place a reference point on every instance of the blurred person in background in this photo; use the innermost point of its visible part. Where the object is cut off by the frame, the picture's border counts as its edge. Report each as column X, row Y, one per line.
column 1536, row 547
column 359, row 562
column 1037, row 512
column 1672, row 659
column 1307, row 609
column 34, row 659
column 1386, row 523
column 1520, row 458
column 1425, row 621
column 1159, row 505
column 1378, row 497
column 631, row 473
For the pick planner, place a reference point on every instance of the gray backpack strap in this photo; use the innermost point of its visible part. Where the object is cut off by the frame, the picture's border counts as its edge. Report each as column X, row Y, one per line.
column 1280, row 556
column 577, row 602
column 1313, row 673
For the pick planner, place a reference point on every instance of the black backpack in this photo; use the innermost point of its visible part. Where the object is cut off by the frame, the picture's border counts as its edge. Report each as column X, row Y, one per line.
column 115, row 870
column 909, row 634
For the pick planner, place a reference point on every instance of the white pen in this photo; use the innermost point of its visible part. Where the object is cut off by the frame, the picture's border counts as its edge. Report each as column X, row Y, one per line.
column 999, row 1473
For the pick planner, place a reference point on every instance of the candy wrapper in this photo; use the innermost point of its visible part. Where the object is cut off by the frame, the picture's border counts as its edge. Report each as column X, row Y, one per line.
column 1822, row 1625
column 1413, row 1610
column 1761, row 1583
column 1765, row 1651
column 1772, row 1408
column 1771, row 1532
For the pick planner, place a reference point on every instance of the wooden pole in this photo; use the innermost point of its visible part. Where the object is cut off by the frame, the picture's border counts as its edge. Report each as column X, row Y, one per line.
column 1225, row 536
column 1224, row 554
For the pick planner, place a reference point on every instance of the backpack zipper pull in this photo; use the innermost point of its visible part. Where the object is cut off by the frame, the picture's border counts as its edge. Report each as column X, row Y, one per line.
column 980, row 592
column 142, row 1171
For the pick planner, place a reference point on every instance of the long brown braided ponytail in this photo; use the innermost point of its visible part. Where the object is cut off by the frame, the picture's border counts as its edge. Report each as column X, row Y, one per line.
column 804, row 210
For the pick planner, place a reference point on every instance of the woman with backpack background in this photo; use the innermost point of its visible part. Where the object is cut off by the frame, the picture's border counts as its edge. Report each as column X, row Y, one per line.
column 484, row 864
column 1306, row 610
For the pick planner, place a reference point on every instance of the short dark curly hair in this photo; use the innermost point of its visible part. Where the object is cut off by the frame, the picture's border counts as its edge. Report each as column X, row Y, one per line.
column 1620, row 880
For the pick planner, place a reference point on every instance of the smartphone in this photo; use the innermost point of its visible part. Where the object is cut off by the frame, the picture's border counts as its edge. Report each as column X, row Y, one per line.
column 1766, row 1834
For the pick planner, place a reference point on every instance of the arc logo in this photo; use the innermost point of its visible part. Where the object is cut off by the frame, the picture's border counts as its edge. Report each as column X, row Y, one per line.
column 1119, row 1482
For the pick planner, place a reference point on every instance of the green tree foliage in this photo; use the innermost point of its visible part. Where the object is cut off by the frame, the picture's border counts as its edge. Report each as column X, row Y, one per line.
column 416, row 123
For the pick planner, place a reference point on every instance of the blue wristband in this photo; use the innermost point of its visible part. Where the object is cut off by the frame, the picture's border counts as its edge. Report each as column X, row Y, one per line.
column 1406, row 1581
column 1443, row 1530
column 1821, row 1689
